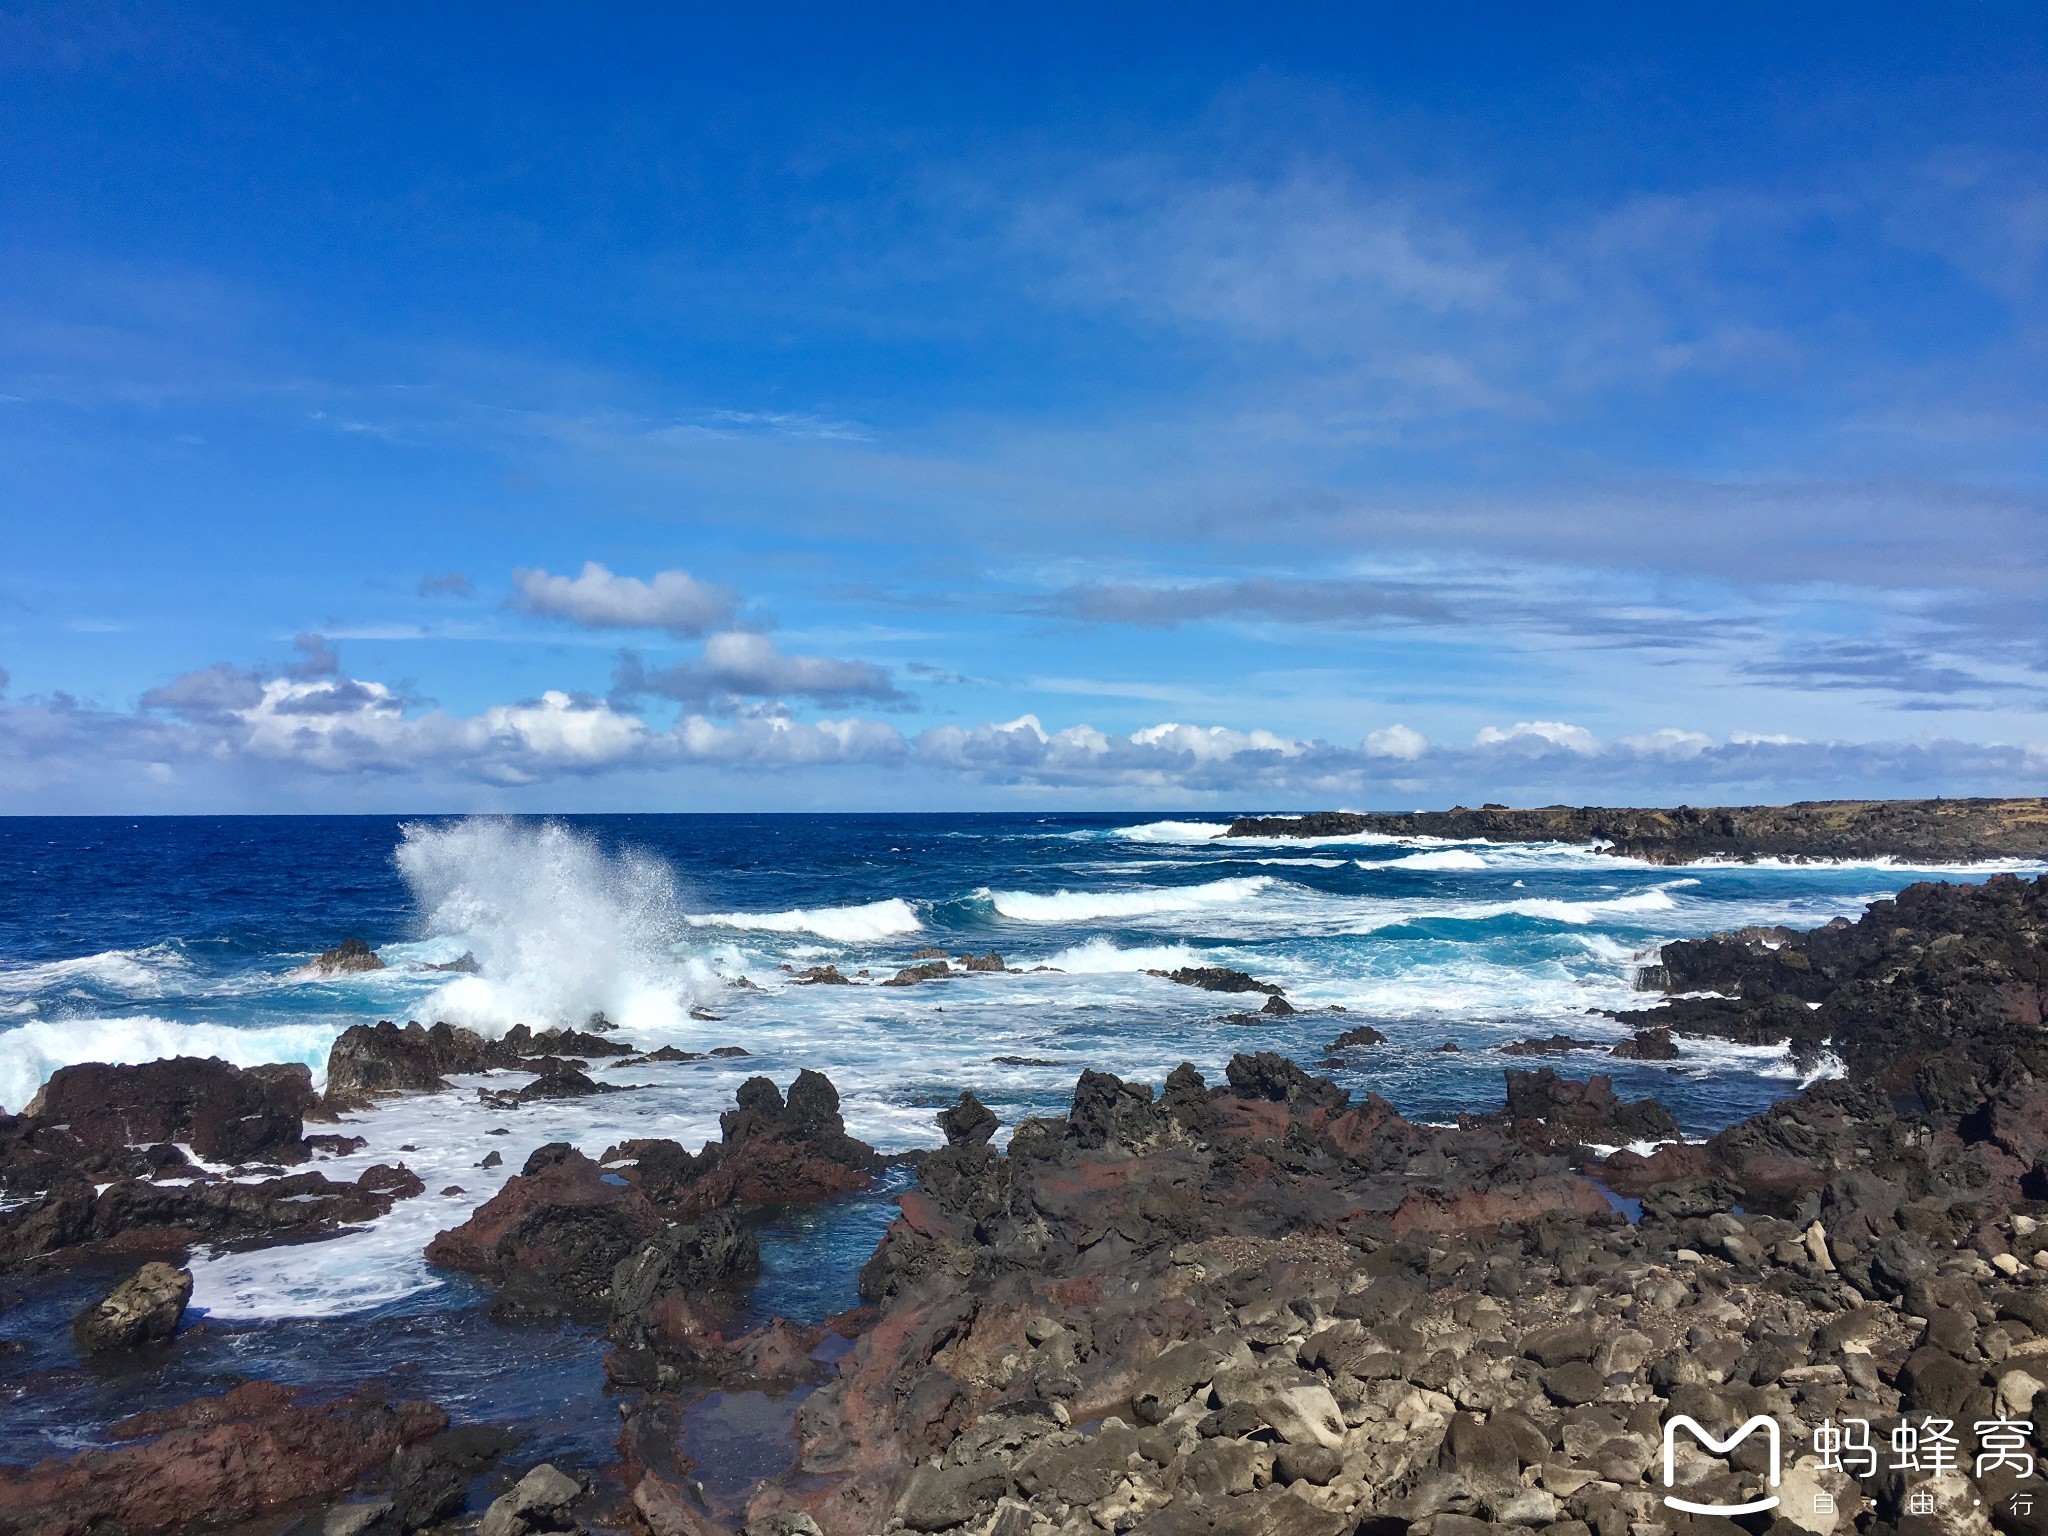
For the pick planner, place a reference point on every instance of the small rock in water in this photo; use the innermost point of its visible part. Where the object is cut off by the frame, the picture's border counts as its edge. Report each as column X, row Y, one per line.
column 1365, row 1034
column 144, row 1307
column 730, row 1050
column 493, row 1159
column 347, row 956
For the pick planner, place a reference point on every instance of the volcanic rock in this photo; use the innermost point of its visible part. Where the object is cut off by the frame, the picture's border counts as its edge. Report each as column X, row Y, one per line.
column 1588, row 1111
column 911, row 975
column 560, row 1227
column 1364, row 1034
column 91, row 1118
column 369, row 1061
column 1554, row 1045
column 348, row 956
column 215, row 1463
column 1217, row 978
column 141, row 1309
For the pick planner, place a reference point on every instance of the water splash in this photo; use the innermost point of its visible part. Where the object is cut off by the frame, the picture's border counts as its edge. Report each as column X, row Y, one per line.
column 560, row 928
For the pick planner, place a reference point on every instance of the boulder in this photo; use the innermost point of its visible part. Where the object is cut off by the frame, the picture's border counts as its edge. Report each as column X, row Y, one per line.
column 141, row 1309
column 539, row 1501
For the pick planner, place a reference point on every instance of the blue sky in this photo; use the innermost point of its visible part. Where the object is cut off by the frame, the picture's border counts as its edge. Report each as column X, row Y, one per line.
column 577, row 408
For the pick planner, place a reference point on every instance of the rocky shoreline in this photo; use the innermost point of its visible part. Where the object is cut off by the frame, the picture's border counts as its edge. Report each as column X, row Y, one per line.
column 1928, row 831
column 1253, row 1306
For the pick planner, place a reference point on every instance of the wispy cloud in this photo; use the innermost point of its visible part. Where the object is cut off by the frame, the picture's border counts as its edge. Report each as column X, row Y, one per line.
column 738, row 665
column 597, row 599
column 446, row 584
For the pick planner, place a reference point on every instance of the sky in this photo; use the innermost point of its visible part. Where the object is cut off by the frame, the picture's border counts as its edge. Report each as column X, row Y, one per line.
column 437, row 408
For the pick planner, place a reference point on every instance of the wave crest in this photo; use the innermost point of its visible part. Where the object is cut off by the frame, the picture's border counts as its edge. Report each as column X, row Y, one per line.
column 845, row 925
column 1065, row 906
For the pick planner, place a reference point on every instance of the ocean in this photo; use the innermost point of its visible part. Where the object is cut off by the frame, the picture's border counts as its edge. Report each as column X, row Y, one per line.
column 127, row 939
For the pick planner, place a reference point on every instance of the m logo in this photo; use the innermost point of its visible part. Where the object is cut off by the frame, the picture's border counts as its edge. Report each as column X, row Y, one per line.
column 1719, row 1448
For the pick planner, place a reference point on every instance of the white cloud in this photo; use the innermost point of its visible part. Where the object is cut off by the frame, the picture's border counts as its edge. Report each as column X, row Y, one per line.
column 1536, row 734
column 1668, row 742
column 1396, row 741
column 1209, row 743
column 738, row 664
column 226, row 725
column 597, row 599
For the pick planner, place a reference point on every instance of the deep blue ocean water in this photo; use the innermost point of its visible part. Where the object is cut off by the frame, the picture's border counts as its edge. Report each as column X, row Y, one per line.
column 123, row 939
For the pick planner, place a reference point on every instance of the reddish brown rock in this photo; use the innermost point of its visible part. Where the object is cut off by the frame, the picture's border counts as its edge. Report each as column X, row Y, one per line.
column 215, row 1463
column 562, row 1224
column 92, row 1116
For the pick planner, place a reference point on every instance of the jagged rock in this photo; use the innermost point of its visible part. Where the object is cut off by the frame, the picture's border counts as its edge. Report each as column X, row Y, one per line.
column 820, row 976
column 1270, row 1076
column 1589, row 1110
column 1218, row 978
column 368, row 1061
column 1646, row 1045
column 134, row 1216
column 559, row 1230
column 350, row 955
column 143, row 1308
column 93, row 1118
column 969, row 1123
column 911, row 975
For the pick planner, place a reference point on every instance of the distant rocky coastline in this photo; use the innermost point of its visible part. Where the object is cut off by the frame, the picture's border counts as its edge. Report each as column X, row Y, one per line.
column 1255, row 1307
column 1929, row 831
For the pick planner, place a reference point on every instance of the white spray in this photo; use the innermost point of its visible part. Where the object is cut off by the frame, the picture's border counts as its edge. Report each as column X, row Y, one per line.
column 560, row 929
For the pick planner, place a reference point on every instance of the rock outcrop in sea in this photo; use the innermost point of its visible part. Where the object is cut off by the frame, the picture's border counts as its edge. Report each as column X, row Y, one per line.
column 1942, row 831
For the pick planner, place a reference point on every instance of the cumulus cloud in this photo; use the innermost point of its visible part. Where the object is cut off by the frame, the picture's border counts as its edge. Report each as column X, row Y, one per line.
column 597, row 599
column 1538, row 736
column 738, row 665
column 446, row 584
column 280, row 728
column 1396, row 741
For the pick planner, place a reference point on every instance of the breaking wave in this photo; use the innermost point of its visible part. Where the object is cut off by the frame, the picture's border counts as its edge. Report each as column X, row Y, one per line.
column 560, row 928
column 1086, row 906
column 844, row 925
